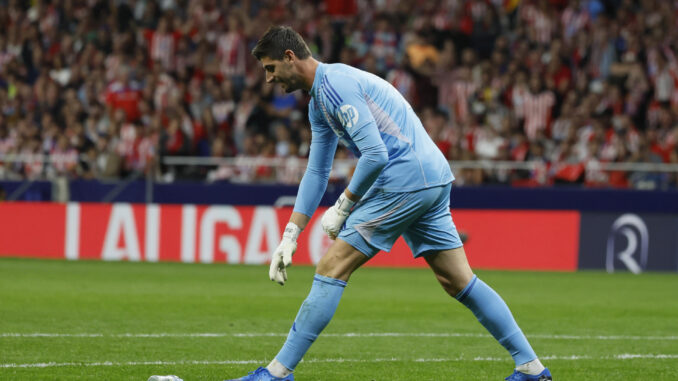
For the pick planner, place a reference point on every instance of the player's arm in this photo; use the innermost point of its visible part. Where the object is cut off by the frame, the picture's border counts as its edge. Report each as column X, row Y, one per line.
column 373, row 158
column 311, row 190
column 300, row 219
column 314, row 182
column 352, row 111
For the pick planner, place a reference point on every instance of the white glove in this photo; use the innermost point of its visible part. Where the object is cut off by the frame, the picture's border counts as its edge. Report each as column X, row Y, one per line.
column 282, row 256
column 334, row 217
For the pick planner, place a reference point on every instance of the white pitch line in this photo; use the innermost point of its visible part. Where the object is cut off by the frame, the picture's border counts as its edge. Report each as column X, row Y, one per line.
column 348, row 335
column 623, row 356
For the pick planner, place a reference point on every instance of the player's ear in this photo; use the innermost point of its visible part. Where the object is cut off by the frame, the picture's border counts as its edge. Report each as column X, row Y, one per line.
column 289, row 55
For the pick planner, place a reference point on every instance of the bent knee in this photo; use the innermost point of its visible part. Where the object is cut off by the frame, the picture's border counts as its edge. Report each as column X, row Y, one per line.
column 454, row 285
column 331, row 266
column 340, row 261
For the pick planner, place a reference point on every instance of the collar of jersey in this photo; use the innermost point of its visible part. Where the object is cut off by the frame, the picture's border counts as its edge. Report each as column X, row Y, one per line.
column 319, row 72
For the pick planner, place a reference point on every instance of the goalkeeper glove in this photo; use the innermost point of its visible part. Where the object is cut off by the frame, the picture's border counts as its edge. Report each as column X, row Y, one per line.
column 334, row 217
column 282, row 256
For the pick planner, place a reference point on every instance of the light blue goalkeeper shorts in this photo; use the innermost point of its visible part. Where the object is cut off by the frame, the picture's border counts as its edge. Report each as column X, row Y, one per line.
column 422, row 217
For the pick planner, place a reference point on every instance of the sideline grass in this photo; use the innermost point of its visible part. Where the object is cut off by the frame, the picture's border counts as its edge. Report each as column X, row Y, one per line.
column 589, row 323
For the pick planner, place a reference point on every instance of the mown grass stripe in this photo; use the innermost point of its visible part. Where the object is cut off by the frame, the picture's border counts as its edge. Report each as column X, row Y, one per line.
column 622, row 356
column 347, row 335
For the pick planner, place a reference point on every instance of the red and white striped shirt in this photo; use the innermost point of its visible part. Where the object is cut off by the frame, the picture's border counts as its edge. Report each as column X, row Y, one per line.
column 145, row 150
column 64, row 160
column 165, row 88
column 518, row 93
column 541, row 25
column 128, row 137
column 162, row 48
column 231, row 53
column 445, row 81
column 537, row 109
column 461, row 92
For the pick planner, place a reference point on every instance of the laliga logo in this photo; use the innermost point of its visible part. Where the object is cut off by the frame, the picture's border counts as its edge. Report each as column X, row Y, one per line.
column 348, row 116
column 633, row 229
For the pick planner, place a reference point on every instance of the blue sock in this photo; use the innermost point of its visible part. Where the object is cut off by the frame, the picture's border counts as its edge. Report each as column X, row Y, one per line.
column 493, row 313
column 314, row 315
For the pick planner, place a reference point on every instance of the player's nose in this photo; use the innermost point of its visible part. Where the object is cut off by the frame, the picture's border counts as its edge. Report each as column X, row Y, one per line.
column 269, row 78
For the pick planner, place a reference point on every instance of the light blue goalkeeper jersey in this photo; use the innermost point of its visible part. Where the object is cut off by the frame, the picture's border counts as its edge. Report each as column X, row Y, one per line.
column 371, row 118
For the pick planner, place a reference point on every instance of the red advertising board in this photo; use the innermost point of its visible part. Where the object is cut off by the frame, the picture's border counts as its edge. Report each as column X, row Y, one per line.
column 32, row 230
column 528, row 240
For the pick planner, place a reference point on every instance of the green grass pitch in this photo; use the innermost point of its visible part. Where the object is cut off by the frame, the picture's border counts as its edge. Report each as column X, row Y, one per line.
column 126, row 321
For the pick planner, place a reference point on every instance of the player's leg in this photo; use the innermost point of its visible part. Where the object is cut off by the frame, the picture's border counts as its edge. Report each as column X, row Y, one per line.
column 454, row 274
column 435, row 237
column 374, row 225
column 332, row 273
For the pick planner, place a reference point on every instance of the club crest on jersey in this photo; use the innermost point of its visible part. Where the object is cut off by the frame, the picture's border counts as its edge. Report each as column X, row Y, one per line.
column 348, row 116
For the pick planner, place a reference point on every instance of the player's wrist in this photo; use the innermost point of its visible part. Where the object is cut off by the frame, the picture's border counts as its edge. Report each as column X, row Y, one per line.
column 344, row 204
column 292, row 231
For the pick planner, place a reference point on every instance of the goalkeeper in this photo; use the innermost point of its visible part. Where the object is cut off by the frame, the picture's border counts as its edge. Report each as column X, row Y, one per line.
column 401, row 186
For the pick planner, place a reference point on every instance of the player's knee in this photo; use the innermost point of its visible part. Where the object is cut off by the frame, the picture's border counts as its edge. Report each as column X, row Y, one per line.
column 450, row 288
column 325, row 267
column 330, row 265
column 340, row 262
column 453, row 286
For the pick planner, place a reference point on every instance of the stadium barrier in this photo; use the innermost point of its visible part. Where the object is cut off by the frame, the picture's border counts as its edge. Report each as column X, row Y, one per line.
column 498, row 239
column 236, row 181
column 463, row 197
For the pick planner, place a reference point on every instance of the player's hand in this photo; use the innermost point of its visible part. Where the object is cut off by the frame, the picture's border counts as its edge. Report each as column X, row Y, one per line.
column 334, row 217
column 282, row 256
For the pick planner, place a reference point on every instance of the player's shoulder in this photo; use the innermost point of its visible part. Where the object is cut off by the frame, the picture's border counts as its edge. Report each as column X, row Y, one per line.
column 341, row 75
column 343, row 83
column 340, row 69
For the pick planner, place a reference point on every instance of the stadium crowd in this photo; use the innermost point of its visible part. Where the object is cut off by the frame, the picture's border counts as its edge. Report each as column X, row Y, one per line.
column 104, row 88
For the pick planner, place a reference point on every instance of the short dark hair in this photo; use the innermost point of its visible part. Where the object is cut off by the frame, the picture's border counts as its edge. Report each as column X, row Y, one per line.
column 276, row 40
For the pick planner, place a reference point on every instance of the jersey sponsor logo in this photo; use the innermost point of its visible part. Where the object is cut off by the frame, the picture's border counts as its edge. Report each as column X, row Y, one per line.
column 634, row 255
column 348, row 116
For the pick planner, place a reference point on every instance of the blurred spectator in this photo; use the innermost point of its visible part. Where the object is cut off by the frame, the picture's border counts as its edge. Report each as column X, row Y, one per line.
column 124, row 95
column 231, row 52
column 537, row 105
